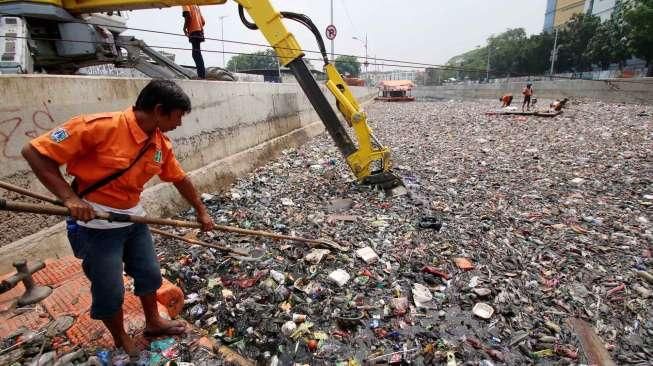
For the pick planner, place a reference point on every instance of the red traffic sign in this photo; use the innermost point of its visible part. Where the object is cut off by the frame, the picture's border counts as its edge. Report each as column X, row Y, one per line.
column 331, row 32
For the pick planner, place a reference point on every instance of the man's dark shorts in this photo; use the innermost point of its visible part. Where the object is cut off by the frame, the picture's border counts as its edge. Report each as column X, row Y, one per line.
column 103, row 252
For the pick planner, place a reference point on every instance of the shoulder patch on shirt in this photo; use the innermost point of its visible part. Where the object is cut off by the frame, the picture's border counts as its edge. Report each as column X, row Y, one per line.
column 59, row 135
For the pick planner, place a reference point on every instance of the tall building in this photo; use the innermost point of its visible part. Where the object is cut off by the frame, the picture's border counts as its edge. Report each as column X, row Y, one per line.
column 549, row 15
column 565, row 9
column 601, row 8
column 558, row 12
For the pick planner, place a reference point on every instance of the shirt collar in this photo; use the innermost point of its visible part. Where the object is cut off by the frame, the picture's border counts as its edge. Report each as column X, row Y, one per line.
column 137, row 133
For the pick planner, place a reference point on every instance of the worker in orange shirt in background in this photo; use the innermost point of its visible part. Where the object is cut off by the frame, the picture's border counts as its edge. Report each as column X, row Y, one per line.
column 112, row 156
column 506, row 100
column 194, row 30
column 558, row 104
column 528, row 94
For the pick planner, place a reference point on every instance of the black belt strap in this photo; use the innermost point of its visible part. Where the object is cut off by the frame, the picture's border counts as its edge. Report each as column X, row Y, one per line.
column 106, row 180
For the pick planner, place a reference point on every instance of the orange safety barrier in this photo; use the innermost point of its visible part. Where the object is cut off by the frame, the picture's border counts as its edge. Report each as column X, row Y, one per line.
column 171, row 298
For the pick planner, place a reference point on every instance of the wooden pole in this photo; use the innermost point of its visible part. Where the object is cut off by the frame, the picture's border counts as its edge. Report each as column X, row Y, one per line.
column 63, row 211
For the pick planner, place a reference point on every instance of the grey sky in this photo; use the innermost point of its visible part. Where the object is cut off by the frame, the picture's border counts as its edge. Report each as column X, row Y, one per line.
column 429, row 31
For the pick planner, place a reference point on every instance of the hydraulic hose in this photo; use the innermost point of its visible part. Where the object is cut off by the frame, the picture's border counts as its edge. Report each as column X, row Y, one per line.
column 300, row 18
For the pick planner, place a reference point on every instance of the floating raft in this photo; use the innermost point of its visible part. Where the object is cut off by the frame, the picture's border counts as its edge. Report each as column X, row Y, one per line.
column 396, row 99
column 515, row 113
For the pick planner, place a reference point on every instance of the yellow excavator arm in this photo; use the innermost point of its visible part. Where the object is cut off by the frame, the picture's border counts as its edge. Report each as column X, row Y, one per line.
column 369, row 161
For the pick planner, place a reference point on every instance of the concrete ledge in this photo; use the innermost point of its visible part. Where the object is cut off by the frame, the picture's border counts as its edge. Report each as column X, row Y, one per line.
column 228, row 119
column 639, row 91
column 162, row 199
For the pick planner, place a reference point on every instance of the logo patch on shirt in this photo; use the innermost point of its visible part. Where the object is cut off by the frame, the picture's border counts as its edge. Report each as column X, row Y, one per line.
column 158, row 156
column 59, row 135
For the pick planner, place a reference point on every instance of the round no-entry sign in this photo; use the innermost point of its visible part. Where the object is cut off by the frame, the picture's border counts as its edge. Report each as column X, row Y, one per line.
column 331, row 32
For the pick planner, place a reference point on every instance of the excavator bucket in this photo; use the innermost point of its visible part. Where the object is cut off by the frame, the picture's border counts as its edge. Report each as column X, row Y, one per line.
column 362, row 159
column 367, row 158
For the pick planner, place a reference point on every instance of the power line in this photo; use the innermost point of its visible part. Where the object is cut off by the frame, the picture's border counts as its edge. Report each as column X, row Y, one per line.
column 251, row 43
column 384, row 62
column 447, row 68
column 348, row 16
column 216, row 51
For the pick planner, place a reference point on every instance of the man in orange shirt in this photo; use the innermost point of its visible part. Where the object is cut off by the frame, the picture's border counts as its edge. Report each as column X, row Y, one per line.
column 558, row 104
column 506, row 100
column 528, row 93
column 194, row 30
column 112, row 156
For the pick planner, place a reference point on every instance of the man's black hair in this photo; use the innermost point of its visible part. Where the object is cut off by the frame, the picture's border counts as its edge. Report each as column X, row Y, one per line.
column 164, row 92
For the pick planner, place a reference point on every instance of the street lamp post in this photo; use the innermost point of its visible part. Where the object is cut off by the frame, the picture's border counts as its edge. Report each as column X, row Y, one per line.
column 554, row 52
column 487, row 71
column 332, row 58
column 365, row 45
column 222, row 36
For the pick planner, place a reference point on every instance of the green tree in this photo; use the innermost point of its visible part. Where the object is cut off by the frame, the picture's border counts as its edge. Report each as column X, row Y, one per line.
column 473, row 62
column 573, row 40
column 348, row 65
column 638, row 15
column 536, row 54
column 258, row 60
column 609, row 44
column 510, row 52
column 506, row 52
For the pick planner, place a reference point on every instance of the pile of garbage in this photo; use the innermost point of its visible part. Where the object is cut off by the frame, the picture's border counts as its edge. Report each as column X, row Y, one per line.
column 508, row 231
column 50, row 346
column 514, row 240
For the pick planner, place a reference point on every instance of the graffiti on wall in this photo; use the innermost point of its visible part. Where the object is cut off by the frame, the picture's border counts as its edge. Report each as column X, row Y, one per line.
column 19, row 125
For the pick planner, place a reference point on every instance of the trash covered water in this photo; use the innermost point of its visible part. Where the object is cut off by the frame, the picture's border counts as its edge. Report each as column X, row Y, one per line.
column 538, row 220
column 532, row 222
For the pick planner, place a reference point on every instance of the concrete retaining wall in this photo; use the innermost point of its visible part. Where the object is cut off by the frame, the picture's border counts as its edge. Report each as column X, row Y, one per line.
column 618, row 90
column 233, row 128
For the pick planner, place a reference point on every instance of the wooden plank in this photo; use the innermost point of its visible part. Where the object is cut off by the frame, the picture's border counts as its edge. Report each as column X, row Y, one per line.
column 593, row 347
column 536, row 114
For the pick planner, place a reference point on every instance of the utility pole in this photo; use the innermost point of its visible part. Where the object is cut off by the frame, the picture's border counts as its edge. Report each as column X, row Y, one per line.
column 364, row 45
column 554, row 52
column 487, row 71
column 332, row 59
column 222, row 37
column 366, row 62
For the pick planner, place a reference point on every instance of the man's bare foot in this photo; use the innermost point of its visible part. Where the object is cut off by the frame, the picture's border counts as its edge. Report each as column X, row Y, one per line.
column 163, row 327
column 127, row 344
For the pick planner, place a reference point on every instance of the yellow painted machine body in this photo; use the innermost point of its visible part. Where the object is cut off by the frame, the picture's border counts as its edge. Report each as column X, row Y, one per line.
column 360, row 161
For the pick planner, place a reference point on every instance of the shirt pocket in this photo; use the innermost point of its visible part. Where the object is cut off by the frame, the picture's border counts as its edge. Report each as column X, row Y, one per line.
column 112, row 162
column 152, row 169
column 141, row 174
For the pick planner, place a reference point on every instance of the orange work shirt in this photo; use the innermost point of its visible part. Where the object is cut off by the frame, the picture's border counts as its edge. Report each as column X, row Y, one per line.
column 97, row 145
column 196, row 22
